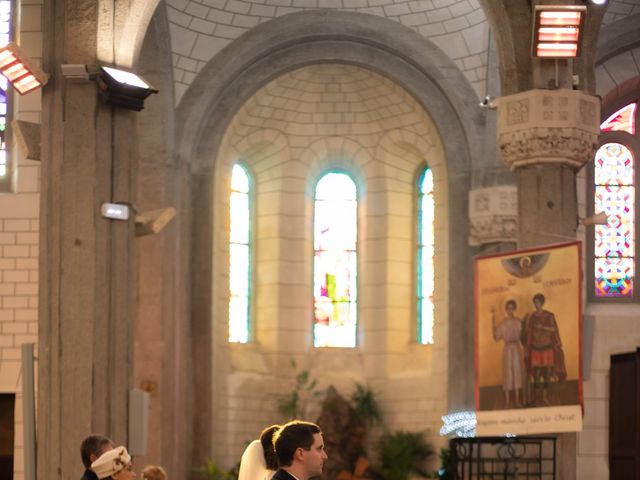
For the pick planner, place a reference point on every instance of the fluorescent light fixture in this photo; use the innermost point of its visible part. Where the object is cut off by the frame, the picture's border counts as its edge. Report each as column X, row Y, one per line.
column 19, row 69
column 123, row 89
column 115, row 211
column 557, row 30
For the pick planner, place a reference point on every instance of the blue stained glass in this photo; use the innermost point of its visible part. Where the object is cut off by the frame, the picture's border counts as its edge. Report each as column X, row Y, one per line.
column 240, row 256
column 425, row 269
column 335, row 261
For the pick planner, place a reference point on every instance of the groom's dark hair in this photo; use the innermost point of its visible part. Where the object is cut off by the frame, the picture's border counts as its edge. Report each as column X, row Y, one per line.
column 293, row 435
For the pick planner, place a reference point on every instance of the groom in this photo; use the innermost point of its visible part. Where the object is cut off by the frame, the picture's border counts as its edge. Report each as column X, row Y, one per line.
column 300, row 450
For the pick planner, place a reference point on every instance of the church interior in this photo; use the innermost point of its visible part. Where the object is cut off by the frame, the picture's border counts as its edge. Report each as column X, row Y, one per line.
column 319, row 177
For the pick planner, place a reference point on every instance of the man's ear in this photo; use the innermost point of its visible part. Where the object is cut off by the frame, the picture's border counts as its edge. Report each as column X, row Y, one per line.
column 93, row 457
column 299, row 454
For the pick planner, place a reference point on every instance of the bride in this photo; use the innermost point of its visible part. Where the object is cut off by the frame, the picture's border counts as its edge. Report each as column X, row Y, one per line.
column 259, row 461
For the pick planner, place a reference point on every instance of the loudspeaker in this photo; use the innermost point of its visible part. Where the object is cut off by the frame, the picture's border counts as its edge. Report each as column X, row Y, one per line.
column 588, row 333
column 138, row 422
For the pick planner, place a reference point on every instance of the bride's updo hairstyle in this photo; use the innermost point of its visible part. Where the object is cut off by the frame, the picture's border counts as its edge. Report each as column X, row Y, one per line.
column 266, row 439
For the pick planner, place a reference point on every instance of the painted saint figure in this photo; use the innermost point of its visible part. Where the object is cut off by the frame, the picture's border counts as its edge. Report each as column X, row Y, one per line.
column 510, row 330
column 544, row 358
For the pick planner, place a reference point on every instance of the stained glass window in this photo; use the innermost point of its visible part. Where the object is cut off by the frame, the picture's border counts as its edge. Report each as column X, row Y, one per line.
column 5, row 37
column 240, row 256
column 615, row 241
column 425, row 283
column 335, row 261
column 621, row 121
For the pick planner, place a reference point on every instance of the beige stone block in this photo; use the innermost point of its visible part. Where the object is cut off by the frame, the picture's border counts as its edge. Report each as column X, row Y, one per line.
column 9, row 370
column 31, row 102
column 592, row 467
column 593, row 442
column 13, row 328
column 596, row 413
column 15, row 302
column 15, row 276
column 16, row 251
column 29, row 238
column 7, row 289
column 7, row 315
column 7, row 238
column 11, row 225
column 26, row 264
column 28, row 179
column 31, row 18
column 31, row 43
column 7, row 263
column 26, row 289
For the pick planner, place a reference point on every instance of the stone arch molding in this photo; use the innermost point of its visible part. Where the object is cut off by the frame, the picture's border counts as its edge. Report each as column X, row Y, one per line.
column 325, row 36
column 206, row 112
column 338, row 153
column 259, row 146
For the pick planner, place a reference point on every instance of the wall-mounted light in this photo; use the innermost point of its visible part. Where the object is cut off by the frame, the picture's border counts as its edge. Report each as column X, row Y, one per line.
column 558, row 30
column 20, row 70
column 123, row 89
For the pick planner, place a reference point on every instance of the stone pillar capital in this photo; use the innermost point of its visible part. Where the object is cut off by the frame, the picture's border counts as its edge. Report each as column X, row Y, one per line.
column 493, row 215
column 548, row 127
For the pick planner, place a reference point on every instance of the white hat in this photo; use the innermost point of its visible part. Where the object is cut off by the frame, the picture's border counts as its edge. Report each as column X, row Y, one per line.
column 111, row 462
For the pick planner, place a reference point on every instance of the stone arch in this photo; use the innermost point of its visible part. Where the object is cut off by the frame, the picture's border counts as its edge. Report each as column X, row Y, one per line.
column 617, row 67
column 377, row 44
column 137, row 15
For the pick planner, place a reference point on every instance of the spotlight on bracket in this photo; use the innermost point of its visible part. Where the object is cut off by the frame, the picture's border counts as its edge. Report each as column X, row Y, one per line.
column 20, row 70
column 152, row 222
column 123, row 89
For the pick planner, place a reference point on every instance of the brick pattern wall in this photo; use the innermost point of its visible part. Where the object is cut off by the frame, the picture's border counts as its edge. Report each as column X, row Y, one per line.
column 200, row 29
column 19, row 224
column 288, row 133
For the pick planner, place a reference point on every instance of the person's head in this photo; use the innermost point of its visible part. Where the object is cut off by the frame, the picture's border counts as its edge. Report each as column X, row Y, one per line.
column 153, row 472
column 266, row 439
column 300, row 448
column 538, row 300
column 511, row 306
column 114, row 464
column 92, row 447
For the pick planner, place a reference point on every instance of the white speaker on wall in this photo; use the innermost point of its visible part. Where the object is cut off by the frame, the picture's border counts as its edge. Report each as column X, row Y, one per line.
column 138, row 422
column 588, row 334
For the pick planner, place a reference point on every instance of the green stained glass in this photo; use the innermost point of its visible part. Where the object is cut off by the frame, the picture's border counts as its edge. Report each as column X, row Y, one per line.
column 425, row 277
column 239, row 255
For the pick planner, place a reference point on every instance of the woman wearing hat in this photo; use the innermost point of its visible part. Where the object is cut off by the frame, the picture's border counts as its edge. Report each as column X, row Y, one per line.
column 114, row 464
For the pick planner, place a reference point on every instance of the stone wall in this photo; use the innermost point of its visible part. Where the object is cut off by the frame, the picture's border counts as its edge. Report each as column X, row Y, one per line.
column 289, row 133
column 19, row 226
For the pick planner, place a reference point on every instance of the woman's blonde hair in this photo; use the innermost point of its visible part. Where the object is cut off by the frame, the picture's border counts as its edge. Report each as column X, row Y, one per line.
column 154, row 472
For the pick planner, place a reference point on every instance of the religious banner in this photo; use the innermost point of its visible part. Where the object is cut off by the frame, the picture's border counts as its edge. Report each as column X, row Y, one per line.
column 528, row 339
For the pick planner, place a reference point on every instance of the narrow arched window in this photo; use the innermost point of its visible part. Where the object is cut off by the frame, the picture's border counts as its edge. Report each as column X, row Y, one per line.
column 425, row 278
column 240, row 256
column 335, row 261
column 614, row 243
column 6, row 34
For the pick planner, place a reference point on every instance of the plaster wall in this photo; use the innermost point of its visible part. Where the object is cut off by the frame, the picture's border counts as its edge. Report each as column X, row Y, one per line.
column 200, row 29
column 291, row 131
column 19, row 225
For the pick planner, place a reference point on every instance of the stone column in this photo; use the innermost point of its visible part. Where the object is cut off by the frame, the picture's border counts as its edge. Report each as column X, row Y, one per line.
column 86, row 261
column 545, row 136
